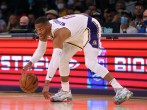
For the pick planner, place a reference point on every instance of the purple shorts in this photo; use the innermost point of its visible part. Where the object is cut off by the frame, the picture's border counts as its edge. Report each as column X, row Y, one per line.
column 94, row 39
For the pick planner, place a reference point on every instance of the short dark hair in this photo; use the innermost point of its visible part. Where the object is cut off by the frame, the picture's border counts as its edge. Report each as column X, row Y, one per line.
column 139, row 4
column 42, row 19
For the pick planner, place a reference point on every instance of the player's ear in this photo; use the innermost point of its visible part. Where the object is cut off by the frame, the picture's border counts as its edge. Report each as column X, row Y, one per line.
column 48, row 25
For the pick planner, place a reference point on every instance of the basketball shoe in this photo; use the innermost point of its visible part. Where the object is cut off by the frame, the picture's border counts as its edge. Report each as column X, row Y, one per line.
column 61, row 96
column 122, row 95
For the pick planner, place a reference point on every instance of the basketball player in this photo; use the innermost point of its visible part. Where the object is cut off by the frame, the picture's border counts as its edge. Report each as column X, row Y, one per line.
column 70, row 34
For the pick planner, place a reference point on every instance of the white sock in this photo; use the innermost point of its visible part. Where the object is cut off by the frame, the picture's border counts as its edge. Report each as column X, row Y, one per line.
column 65, row 86
column 115, row 84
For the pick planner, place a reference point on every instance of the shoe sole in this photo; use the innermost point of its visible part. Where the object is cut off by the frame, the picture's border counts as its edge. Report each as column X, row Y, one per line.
column 65, row 100
column 128, row 96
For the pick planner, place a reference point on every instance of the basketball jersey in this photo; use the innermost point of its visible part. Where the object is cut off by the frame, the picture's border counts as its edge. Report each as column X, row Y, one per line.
column 77, row 24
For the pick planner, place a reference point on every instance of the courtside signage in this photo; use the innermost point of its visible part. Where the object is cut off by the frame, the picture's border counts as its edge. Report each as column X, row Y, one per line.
column 126, row 61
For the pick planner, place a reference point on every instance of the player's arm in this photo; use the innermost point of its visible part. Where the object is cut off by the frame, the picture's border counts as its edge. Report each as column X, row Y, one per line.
column 39, row 52
column 59, row 37
column 53, row 65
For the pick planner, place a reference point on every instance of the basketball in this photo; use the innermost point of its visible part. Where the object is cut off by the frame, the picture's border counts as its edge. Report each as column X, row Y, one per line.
column 28, row 82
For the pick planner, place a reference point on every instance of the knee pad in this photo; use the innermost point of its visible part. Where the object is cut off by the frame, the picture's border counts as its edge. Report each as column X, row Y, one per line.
column 67, row 53
column 93, row 65
column 64, row 69
column 91, row 61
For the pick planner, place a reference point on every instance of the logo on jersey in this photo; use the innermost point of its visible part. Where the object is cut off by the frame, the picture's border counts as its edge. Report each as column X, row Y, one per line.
column 94, row 42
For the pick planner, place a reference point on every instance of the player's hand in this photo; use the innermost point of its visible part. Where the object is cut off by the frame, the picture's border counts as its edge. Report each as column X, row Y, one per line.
column 45, row 92
column 26, row 67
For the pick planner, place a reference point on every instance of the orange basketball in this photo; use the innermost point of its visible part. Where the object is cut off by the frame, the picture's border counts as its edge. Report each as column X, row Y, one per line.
column 28, row 82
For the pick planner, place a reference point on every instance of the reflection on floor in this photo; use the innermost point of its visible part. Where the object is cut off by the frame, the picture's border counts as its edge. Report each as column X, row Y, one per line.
column 35, row 101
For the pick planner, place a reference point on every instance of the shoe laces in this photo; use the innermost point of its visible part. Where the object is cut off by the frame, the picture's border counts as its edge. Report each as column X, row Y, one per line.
column 120, row 92
column 60, row 92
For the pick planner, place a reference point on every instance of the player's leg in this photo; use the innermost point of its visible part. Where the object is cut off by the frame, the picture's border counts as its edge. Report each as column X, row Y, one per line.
column 65, row 93
column 91, row 62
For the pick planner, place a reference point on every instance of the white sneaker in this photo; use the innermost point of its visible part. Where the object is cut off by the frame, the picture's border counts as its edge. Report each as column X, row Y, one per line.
column 122, row 95
column 61, row 96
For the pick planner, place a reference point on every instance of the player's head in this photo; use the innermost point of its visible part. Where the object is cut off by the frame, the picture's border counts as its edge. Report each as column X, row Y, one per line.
column 43, row 27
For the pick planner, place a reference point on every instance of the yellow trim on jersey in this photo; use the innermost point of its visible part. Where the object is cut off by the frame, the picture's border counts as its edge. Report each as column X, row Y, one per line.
column 88, row 36
column 74, row 45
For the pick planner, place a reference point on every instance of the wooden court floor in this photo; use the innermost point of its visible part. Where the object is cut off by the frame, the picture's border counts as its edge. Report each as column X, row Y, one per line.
column 35, row 101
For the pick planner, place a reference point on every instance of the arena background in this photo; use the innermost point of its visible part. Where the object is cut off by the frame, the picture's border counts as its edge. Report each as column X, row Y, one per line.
column 124, row 57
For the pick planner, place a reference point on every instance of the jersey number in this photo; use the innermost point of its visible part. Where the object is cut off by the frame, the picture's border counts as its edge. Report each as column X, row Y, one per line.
column 68, row 16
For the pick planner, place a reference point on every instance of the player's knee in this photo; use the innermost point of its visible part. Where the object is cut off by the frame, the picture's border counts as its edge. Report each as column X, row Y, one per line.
column 95, row 67
column 64, row 67
column 64, row 62
column 89, row 63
